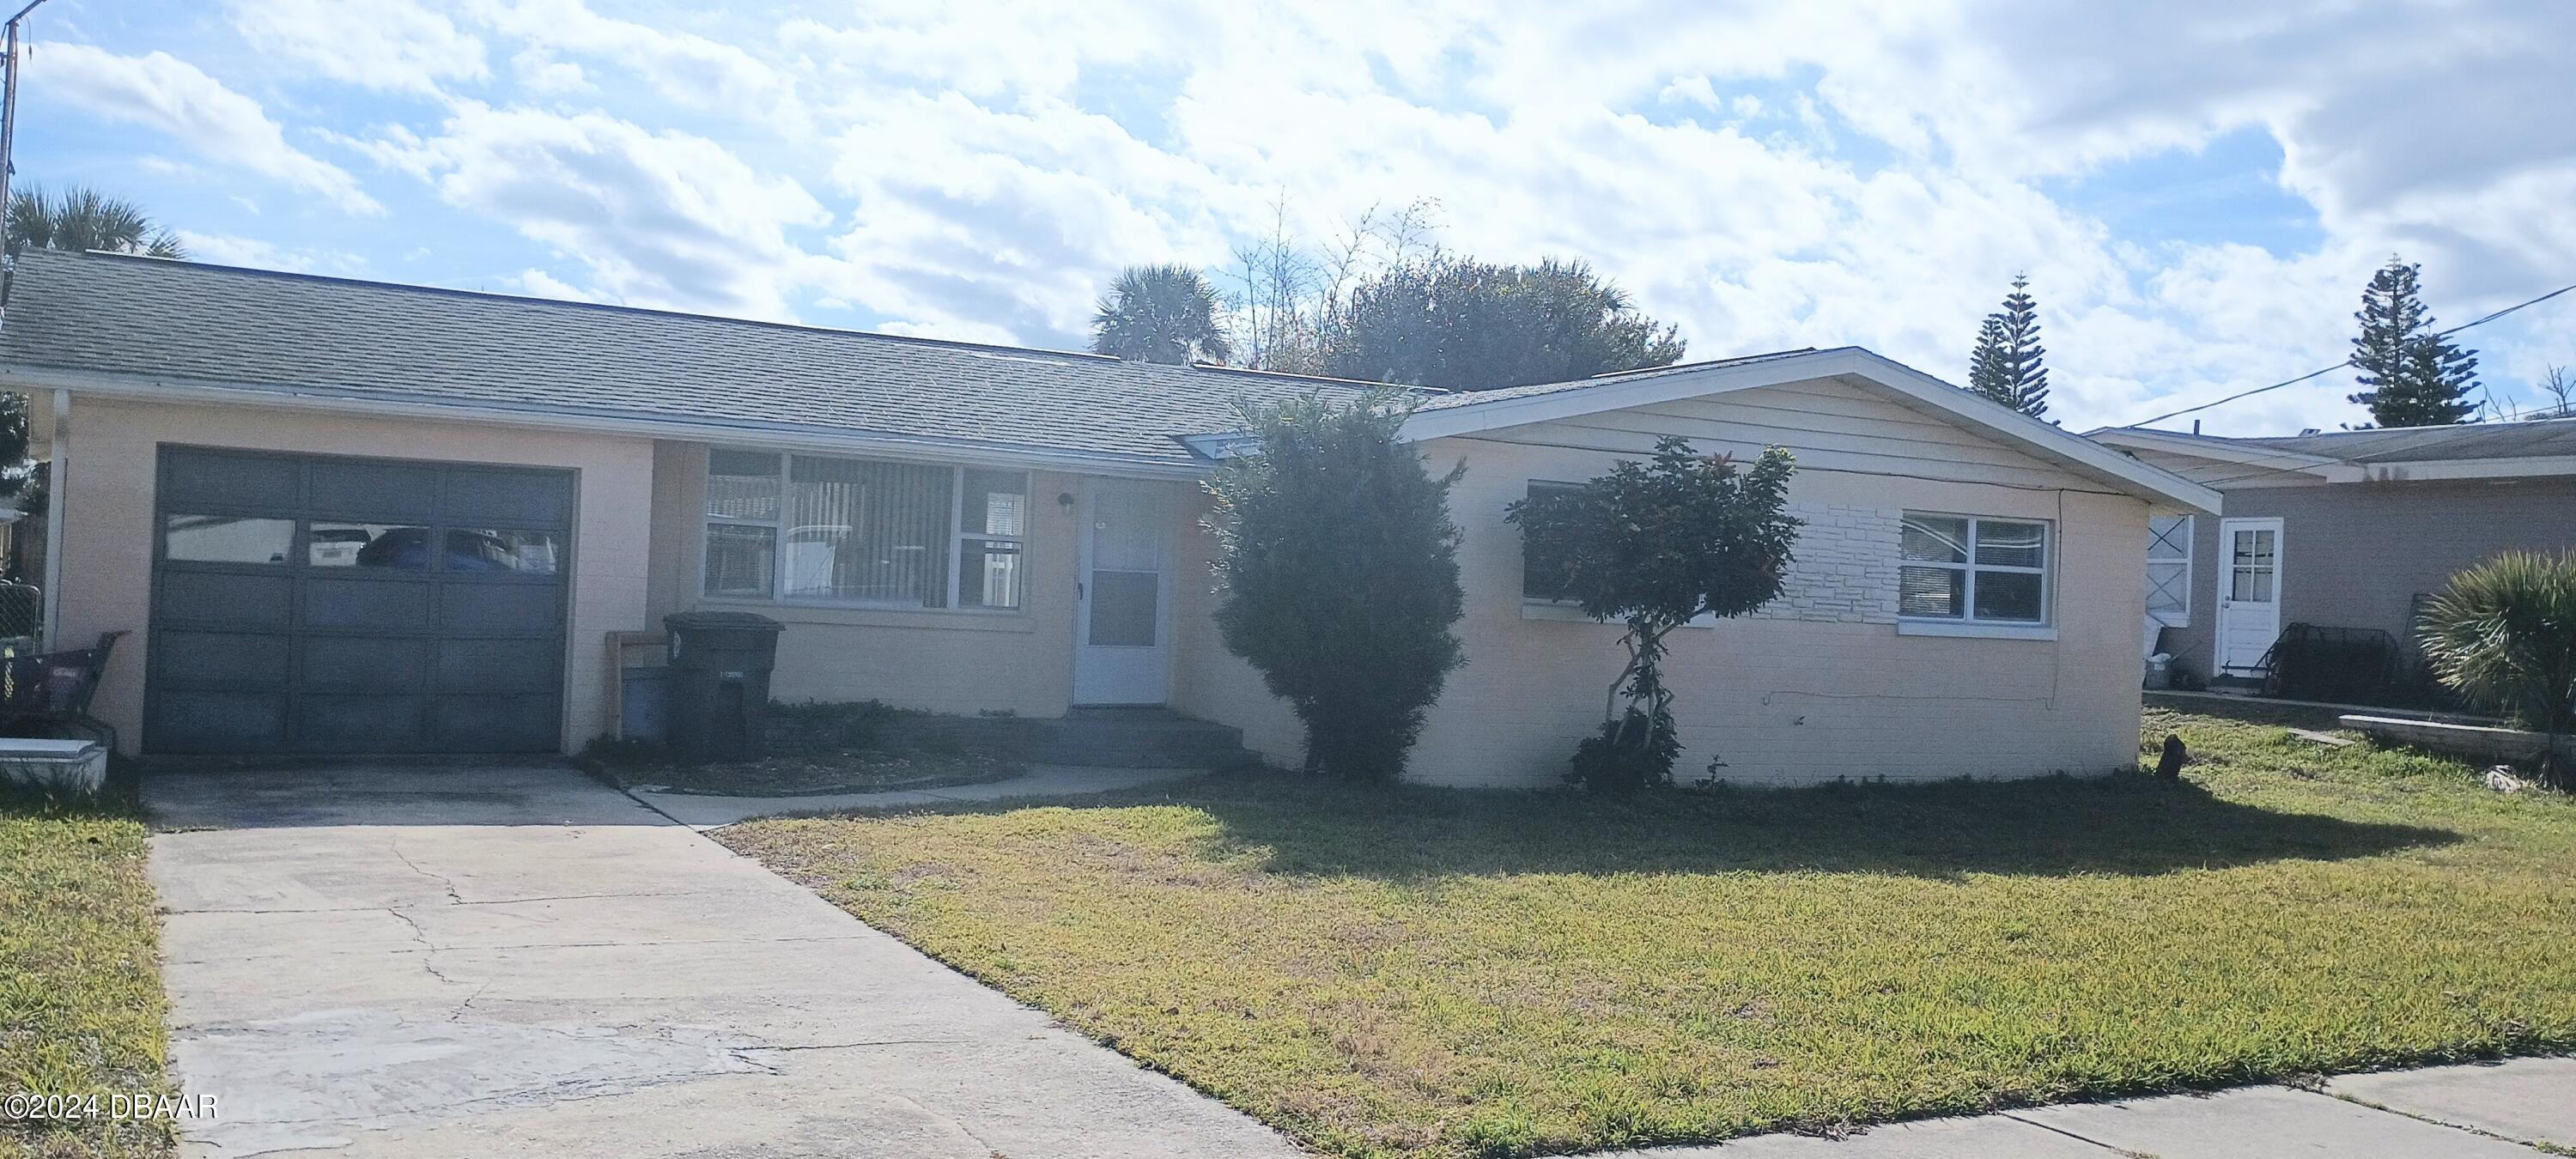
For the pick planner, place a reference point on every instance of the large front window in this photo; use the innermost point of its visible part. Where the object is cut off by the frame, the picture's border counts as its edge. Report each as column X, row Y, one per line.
column 1970, row 570
column 863, row 532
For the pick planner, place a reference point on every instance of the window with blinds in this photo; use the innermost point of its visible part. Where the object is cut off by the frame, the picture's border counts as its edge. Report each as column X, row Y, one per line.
column 863, row 532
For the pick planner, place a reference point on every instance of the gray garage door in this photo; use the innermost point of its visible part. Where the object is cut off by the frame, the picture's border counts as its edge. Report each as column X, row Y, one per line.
column 304, row 604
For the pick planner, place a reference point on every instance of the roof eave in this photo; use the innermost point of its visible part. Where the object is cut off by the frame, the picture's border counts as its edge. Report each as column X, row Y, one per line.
column 2212, row 448
column 2276, row 466
column 175, row 390
column 2074, row 452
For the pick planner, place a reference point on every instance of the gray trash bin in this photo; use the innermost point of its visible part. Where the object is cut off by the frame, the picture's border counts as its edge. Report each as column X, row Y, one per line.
column 719, row 683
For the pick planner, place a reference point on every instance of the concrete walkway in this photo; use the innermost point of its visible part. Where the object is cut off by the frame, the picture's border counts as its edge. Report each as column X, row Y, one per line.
column 422, row 961
column 699, row 811
column 2450, row 1112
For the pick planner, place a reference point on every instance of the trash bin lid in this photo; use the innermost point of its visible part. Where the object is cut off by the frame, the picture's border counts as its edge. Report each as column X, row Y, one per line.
column 730, row 621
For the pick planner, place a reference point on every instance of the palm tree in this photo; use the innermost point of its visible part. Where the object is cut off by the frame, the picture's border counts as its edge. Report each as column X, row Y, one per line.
column 1165, row 313
column 82, row 218
column 2504, row 635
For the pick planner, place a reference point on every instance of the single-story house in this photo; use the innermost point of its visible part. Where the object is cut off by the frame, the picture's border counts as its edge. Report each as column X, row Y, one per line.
column 351, row 517
column 2341, row 529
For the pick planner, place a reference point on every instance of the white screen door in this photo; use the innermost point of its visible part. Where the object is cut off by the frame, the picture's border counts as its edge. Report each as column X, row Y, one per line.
column 1122, row 629
column 2249, row 592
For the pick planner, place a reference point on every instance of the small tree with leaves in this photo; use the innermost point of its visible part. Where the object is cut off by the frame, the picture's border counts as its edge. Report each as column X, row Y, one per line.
column 2503, row 634
column 2410, row 376
column 1655, row 545
column 2009, row 364
column 1337, row 576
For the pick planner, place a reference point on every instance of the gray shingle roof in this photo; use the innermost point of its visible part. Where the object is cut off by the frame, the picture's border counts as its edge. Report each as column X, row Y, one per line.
column 1448, row 401
column 2496, row 440
column 223, row 326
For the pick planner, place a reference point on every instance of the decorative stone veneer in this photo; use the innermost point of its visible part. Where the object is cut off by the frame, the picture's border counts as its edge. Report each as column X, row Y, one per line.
column 1844, row 570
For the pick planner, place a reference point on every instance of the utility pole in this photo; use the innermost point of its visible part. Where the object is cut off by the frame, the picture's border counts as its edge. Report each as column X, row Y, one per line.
column 8, row 143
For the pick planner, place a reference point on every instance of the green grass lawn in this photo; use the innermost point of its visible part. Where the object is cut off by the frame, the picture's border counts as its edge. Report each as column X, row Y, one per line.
column 80, row 973
column 1401, row 971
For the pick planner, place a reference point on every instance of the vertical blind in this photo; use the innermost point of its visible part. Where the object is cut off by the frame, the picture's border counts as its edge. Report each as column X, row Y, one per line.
column 859, row 531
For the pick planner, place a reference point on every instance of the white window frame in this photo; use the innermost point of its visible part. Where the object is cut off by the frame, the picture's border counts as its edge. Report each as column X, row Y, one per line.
column 781, row 524
column 2189, row 540
column 1967, row 623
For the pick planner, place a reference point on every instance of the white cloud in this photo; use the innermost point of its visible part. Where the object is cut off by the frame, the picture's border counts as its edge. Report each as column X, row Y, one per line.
column 541, row 284
column 235, row 250
column 1863, row 172
column 1691, row 89
column 657, row 219
column 539, row 72
column 379, row 44
column 686, row 69
column 165, row 93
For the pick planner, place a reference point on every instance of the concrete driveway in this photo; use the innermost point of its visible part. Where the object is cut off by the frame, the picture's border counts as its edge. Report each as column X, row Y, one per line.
column 476, row 961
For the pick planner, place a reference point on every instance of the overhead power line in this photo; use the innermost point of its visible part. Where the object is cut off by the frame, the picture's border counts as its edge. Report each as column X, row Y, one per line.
column 2346, row 362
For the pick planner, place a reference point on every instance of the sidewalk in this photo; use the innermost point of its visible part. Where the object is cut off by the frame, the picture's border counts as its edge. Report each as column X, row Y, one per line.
column 702, row 812
column 2448, row 1112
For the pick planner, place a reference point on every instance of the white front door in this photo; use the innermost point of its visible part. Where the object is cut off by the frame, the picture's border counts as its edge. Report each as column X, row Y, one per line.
column 2249, row 593
column 1122, row 635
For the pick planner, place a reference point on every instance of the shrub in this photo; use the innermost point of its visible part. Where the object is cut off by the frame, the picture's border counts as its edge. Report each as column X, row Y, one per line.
column 1656, row 545
column 846, row 724
column 2503, row 635
column 1337, row 576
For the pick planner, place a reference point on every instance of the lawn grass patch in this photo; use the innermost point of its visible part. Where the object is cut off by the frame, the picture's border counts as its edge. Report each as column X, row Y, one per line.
column 1424, row 972
column 81, row 1008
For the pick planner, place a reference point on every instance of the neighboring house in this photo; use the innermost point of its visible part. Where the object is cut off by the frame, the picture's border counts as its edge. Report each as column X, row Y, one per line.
column 2348, row 529
column 350, row 517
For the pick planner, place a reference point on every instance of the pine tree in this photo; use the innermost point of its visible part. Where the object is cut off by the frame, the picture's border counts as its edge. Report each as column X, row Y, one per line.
column 2007, row 365
column 2022, row 351
column 1989, row 371
column 2410, row 377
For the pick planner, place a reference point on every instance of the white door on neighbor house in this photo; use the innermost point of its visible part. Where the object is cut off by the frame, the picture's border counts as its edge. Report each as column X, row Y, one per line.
column 2249, row 592
column 1122, row 650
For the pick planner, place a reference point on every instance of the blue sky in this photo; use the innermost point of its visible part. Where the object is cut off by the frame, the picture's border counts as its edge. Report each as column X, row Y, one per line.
column 2197, row 190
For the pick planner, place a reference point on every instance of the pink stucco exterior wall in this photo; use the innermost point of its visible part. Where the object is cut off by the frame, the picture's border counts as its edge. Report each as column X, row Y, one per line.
column 1783, row 700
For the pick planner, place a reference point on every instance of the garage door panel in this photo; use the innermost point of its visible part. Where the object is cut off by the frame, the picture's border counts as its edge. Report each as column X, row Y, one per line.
column 499, row 665
column 215, row 479
column 496, row 724
column 501, row 609
column 329, row 723
column 192, row 721
column 377, row 492
column 366, row 663
column 214, row 599
column 509, row 498
column 221, row 659
column 366, row 604
column 420, row 608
